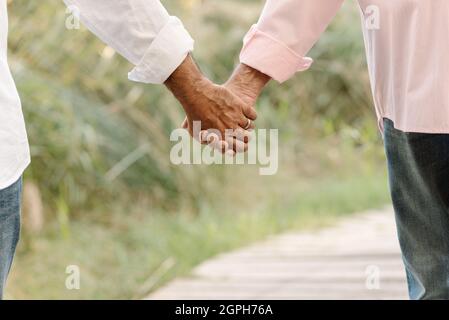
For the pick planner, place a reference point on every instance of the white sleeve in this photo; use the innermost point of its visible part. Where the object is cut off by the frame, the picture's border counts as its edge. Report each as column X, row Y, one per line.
column 140, row 30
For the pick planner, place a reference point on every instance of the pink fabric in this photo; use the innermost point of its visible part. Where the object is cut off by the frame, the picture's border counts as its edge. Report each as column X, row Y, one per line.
column 287, row 61
column 407, row 52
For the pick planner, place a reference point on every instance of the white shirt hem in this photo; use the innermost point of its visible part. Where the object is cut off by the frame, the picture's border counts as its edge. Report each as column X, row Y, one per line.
column 23, row 164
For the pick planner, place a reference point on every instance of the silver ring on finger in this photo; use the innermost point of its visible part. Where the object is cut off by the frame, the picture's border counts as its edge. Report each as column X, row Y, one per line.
column 248, row 125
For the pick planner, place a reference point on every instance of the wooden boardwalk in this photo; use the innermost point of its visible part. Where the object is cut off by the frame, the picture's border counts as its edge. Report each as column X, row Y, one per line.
column 357, row 259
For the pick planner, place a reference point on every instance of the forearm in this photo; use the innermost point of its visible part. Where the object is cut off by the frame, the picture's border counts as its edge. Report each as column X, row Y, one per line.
column 185, row 81
column 142, row 31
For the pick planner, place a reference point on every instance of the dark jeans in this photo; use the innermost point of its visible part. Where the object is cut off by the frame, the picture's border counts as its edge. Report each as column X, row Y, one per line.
column 9, row 228
column 418, row 167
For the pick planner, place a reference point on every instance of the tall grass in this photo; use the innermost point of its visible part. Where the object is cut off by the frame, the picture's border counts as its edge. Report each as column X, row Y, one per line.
column 95, row 136
column 100, row 146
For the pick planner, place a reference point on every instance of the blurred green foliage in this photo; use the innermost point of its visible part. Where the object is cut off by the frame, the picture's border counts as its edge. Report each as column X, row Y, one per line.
column 94, row 135
column 100, row 147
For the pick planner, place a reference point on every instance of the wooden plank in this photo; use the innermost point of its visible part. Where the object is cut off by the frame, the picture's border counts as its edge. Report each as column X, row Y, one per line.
column 324, row 264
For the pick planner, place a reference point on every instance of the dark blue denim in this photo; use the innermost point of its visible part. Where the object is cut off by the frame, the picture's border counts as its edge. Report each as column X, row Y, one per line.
column 10, row 199
column 418, row 165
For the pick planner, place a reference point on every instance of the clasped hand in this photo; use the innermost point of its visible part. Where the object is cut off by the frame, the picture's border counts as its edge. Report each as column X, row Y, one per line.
column 226, row 113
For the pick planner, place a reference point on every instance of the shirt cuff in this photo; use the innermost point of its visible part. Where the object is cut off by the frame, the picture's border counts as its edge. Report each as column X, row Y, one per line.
column 168, row 50
column 271, row 56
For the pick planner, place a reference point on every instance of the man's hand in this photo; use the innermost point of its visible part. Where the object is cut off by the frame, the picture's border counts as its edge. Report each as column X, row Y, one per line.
column 247, row 83
column 216, row 107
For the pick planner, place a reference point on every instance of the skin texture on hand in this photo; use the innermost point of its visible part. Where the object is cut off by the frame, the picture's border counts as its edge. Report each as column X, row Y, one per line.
column 247, row 83
column 216, row 107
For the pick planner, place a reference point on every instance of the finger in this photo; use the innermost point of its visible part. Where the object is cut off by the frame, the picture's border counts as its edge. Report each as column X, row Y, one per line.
column 212, row 137
column 230, row 153
column 236, row 145
column 252, row 126
column 185, row 124
column 203, row 135
column 240, row 146
column 247, row 124
column 242, row 135
column 209, row 136
column 224, row 146
column 220, row 145
column 249, row 112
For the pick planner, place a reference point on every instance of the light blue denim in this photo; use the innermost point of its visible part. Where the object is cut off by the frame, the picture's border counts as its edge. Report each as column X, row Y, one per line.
column 10, row 199
column 418, row 166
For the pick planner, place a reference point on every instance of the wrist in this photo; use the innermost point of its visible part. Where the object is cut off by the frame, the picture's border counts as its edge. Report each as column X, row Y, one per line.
column 248, row 81
column 251, row 77
column 186, row 77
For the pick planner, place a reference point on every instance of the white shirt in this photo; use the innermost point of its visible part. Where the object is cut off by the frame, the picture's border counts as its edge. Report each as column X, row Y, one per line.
column 14, row 152
column 140, row 30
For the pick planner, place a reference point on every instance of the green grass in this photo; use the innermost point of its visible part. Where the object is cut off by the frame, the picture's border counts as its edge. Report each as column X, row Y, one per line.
column 156, row 220
column 132, row 250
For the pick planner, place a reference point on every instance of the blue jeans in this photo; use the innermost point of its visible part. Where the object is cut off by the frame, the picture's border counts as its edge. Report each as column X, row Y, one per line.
column 418, row 167
column 9, row 228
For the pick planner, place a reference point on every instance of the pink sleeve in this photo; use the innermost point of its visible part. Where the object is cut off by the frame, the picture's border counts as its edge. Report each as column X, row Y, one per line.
column 286, row 31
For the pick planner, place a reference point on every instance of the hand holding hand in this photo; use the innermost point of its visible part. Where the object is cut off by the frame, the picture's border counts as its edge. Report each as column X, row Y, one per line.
column 216, row 107
column 247, row 84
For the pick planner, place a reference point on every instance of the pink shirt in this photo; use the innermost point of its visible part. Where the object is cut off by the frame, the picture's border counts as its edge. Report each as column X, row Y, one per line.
column 407, row 46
